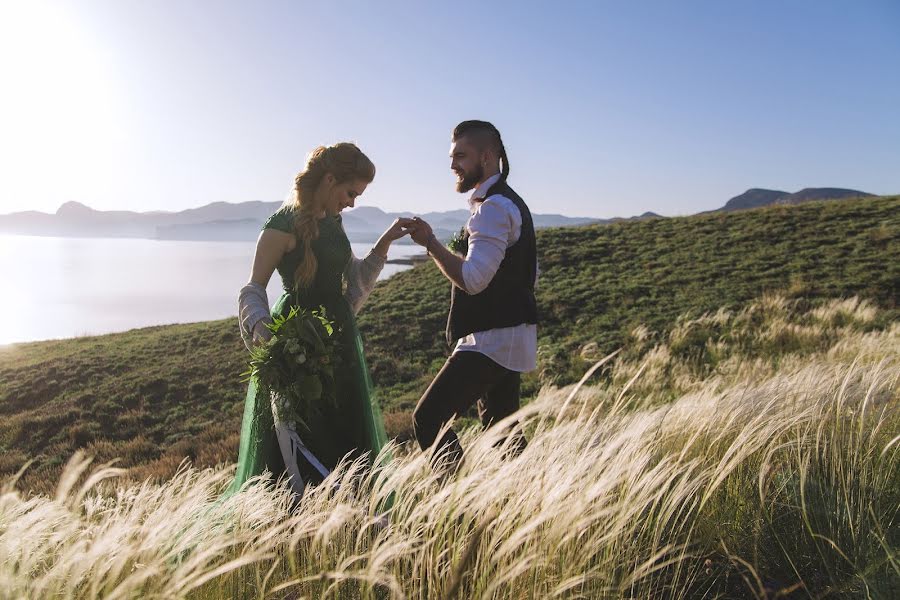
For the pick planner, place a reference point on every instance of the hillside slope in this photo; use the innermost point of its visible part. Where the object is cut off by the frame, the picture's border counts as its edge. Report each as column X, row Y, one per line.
column 757, row 197
column 599, row 282
column 156, row 395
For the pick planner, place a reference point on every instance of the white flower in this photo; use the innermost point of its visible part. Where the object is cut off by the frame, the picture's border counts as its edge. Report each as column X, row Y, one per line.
column 301, row 358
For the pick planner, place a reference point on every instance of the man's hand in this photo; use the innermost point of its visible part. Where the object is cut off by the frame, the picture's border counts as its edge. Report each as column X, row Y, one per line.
column 397, row 230
column 420, row 232
column 449, row 263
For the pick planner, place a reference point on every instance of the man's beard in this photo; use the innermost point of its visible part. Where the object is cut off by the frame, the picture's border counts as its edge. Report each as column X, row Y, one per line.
column 470, row 180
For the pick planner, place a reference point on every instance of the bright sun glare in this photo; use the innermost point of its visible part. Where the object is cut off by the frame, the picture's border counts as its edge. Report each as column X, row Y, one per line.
column 60, row 120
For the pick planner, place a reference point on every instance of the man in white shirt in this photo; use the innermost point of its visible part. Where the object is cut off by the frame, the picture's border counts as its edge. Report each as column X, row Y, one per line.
column 493, row 313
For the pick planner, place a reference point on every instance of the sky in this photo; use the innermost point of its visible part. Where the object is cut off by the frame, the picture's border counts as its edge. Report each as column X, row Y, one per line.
column 606, row 108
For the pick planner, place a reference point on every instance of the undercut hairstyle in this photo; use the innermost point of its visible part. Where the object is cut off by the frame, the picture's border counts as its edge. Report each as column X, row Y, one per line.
column 483, row 135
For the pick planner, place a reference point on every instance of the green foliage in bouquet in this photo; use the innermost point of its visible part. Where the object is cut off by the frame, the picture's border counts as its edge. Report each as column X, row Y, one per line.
column 296, row 366
column 457, row 243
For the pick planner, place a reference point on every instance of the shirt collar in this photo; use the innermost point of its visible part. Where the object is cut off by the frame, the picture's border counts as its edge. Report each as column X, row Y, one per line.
column 482, row 189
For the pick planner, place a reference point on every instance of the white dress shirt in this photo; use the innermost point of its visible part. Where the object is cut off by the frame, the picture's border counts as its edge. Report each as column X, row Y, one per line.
column 495, row 225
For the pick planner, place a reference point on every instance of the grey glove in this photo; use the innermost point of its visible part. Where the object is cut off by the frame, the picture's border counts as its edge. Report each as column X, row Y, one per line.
column 361, row 275
column 253, row 314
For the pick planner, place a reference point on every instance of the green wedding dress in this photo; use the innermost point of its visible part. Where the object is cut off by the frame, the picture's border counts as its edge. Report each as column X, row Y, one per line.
column 354, row 425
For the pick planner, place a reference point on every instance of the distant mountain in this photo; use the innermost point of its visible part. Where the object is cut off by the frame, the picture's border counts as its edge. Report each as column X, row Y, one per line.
column 223, row 211
column 234, row 230
column 756, row 197
column 74, row 219
column 808, row 194
column 642, row 217
column 223, row 221
column 369, row 218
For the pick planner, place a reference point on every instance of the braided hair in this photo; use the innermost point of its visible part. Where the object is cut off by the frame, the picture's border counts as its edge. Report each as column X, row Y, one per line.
column 484, row 134
column 345, row 162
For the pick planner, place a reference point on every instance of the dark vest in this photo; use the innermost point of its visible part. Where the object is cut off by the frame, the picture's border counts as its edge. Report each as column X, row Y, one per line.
column 508, row 299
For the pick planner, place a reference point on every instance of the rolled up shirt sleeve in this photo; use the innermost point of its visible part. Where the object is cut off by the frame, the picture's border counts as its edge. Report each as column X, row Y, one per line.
column 495, row 225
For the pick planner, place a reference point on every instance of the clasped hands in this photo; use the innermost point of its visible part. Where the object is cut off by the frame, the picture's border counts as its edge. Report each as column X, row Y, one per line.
column 419, row 230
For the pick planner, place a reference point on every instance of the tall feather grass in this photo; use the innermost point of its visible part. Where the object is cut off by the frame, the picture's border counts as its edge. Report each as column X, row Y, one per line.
column 761, row 479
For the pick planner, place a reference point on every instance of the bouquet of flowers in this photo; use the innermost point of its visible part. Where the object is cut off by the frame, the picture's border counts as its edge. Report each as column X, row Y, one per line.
column 296, row 366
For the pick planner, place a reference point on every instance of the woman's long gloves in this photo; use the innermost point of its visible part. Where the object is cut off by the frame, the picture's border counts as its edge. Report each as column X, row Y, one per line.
column 253, row 314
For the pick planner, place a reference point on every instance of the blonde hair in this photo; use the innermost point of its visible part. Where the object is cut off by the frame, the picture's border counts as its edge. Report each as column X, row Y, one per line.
column 345, row 162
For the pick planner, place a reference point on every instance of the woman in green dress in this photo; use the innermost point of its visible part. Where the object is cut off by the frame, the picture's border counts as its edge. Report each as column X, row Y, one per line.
column 305, row 241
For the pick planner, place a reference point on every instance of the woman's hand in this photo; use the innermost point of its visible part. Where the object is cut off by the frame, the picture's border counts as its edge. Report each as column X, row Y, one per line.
column 399, row 228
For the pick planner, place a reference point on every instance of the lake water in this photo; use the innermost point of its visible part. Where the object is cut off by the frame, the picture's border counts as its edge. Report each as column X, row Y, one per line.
column 66, row 287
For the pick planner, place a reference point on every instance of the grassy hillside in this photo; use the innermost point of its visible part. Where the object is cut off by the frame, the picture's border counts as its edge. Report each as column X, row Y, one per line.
column 150, row 396
column 759, row 480
column 599, row 282
column 156, row 395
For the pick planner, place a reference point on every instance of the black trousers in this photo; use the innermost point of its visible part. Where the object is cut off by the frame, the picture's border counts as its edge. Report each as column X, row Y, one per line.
column 466, row 378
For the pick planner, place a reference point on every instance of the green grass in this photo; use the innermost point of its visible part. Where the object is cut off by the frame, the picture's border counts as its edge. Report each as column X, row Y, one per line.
column 150, row 396
column 599, row 282
column 764, row 479
column 156, row 395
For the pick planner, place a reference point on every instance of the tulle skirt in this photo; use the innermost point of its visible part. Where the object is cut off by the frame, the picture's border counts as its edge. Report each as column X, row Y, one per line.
column 354, row 425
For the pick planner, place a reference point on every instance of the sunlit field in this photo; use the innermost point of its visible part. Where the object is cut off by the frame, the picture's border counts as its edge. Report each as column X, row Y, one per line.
column 762, row 465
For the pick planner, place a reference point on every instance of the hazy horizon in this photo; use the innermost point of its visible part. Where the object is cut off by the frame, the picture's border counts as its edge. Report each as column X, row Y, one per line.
column 401, row 210
column 606, row 109
column 180, row 282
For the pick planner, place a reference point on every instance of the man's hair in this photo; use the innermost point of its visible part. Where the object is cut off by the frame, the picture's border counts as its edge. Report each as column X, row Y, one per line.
column 483, row 134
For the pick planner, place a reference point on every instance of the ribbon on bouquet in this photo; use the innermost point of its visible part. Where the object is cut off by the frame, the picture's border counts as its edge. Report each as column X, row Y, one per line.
column 292, row 448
